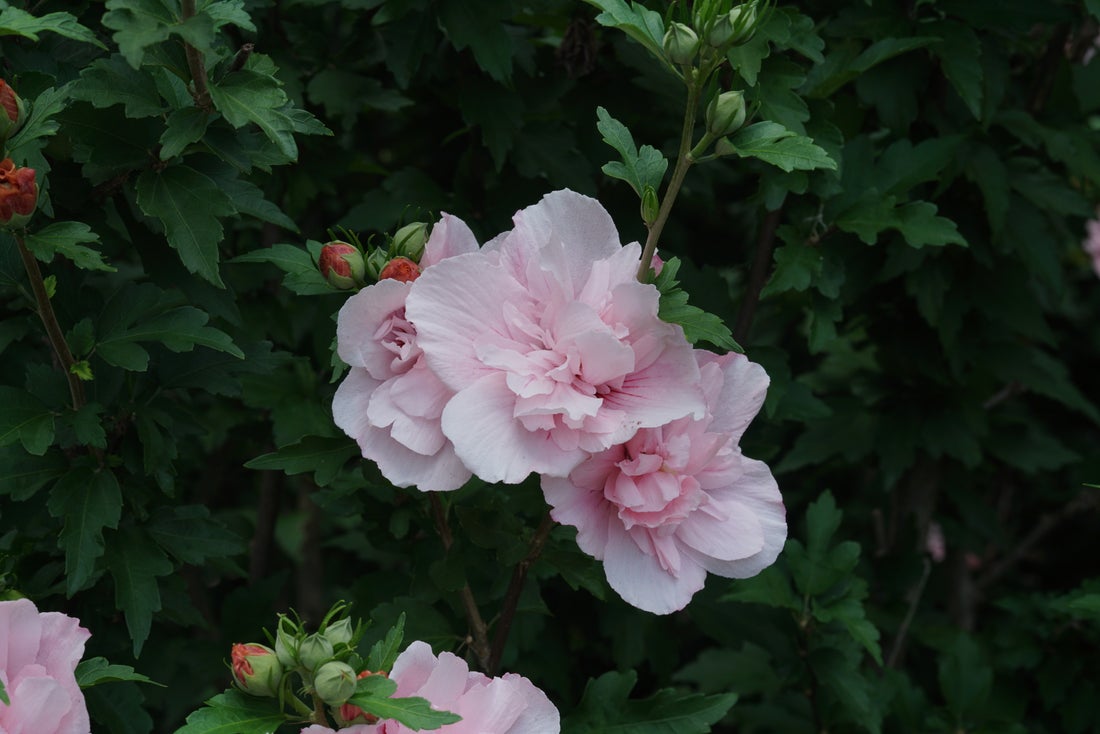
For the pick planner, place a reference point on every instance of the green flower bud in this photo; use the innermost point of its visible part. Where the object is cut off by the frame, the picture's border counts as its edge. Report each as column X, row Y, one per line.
column 743, row 19
column 339, row 632
column 376, row 262
column 256, row 669
column 681, row 43
column 314, row 652
column 334, row 682
column 286, row 643
column 720, row 33
column 409, row 240
column 726, row 113
column 651, row 206
column 12, row 111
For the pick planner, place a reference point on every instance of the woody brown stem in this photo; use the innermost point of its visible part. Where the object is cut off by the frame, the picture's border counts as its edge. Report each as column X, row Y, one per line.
column 479, row 631
column 515, row 587
column 49, row 320
column 201, row 92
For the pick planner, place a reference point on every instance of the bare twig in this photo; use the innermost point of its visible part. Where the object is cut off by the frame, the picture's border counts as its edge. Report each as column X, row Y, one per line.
column 515, row 587
column 478, row 629
column 49, row 320
column 914, row 601
column 761, row 266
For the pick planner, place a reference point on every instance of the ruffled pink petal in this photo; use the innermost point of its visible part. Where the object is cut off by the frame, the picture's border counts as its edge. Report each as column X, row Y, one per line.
column 457, row 308
column 492, row 444
column 61, row 645
column 20, row 632
column 447, row 681
column 735, row 534
column 412, row 667
column 410, row 406
column 744, row 387
column 757, row 491
column 360, row 328
column 584, row 509
column 41, row 705
column 539, row 715
column 491, row 708
column 450, row 237
column 639, row 579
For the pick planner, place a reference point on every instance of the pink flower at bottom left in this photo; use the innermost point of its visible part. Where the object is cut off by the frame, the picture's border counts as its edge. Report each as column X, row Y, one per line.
column 39, row 652
column 510, row 704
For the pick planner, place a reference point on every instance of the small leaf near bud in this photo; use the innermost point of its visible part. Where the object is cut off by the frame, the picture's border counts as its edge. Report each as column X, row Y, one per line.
column 18, row 194
column 681, row 43
column 352, row 714
column 402, row 269
column 256, row 669
column 334, row 682
column 82, row 370
column 409, row 241
column 726, row 113
column 342, row 265
column 651, row 206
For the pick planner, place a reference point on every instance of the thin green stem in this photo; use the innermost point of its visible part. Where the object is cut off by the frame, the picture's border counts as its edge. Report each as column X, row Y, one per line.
column 684, row 160
column 49, row 320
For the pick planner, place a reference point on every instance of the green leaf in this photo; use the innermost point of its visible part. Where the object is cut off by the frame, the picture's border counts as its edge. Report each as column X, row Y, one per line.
column 844, row 681
column 960, row 55
column 643, row 25
column 88, row 501
column 606, row 707
column 246, row 97
column 323, row 456
column 478, row 25
column 775, row 144
column 917, row 221
column 94, row 671
column 373, row 695
column 698, row 325
column 845, row 64
column 4, row 695
column 26, row 420
column 112, row 81
column 385, row 651
column 23, row 474
column 188, row 204
column 796, row 266
column 87, row 426
column 185, row 126
column 14, row 21
column 135, row 562
column 39, row 124
column 639, row 168
column 65, row 238
column 138, row 24
column 302, row 276
column 191, row 535
column 233, row 712
column 965, row 679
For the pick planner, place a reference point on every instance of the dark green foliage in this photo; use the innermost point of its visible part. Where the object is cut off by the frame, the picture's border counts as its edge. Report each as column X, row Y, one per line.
column 895, row 234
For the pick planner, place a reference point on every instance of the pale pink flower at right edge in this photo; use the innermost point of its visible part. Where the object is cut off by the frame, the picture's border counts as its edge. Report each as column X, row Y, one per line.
column 1092, row 243
column 674, row 502
column 510, row 704
column 38, row 656
column 390, row 402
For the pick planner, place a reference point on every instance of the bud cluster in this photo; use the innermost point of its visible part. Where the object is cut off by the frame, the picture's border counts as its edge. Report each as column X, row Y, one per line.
column 345, row 266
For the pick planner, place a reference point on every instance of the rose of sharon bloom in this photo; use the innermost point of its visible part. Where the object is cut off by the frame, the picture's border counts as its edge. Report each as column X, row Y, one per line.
column 1092, row 244
column 674, row 502
column 391, row 402
column 551, row 346
column 510, row 704
column 38, row 654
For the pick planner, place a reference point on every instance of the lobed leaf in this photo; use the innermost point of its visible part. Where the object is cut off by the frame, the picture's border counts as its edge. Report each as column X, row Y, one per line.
column 88, row 501
column 606, row 707
column 233, row 712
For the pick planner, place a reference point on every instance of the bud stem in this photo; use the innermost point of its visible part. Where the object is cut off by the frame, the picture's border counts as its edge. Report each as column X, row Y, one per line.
column 480, row 631
column 49, row 320
column 195, row 63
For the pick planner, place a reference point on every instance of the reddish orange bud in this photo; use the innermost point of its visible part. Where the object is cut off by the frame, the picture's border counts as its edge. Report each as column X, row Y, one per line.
column 18, row 194
column 402, row 269
column 11, row 110
column 256, row 669
column 353, row 714
column 342, row 265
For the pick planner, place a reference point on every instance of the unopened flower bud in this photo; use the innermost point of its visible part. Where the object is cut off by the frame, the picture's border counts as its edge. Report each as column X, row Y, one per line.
column 286, row 643
column 352, row 714
column 314, row 651
column 18, row 194
column 409, row 240
column 681, row 43
column 256, row 669
column 726, row 113
column 743, row 20
column 339, row 632
column 342, row 265
column 400, row 268
column 651, row 206
column 720, row 32
column 334, row 682
column 12, row 111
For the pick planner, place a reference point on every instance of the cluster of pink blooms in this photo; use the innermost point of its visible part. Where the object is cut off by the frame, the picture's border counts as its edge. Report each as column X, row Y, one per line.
column 38, row 657
column 510, row 704
column 541, row 352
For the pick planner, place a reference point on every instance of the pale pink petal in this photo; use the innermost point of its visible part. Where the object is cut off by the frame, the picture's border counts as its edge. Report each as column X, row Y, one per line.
column 450, row 237
column 639, row 579
column 493, row 707
column 583, row 509
column 20, row 631
column 539, row 715
column 446, row 682
column 734, row 535
column 745, row 384
column 358, row 326
column 62, row 643
column 412, row 668
column 40, row 705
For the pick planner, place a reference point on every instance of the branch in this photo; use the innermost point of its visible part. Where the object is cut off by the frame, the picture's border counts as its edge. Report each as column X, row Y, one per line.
column 761, row 265
column 49, row 320
column 480, row 642
column 201, row 93
column 515, row 588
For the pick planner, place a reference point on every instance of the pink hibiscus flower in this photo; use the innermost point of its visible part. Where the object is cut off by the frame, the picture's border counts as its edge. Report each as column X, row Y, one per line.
column 510, row 704
column 38, row 657
column 1092, row 243
column 390, row 402
column 552, row 348
column 677, row 501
